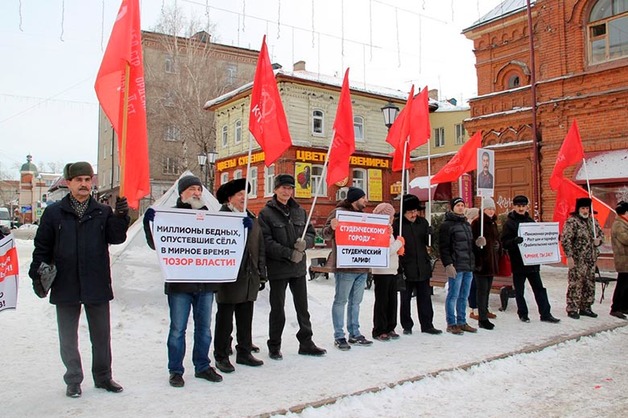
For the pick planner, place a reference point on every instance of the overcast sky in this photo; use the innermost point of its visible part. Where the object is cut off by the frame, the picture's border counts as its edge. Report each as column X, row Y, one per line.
column 51, row 51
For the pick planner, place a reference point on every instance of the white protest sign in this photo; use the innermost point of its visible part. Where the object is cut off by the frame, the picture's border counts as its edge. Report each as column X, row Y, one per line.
column 198, row 246
column 362, row 239
column 9, row 273
column 540, row 243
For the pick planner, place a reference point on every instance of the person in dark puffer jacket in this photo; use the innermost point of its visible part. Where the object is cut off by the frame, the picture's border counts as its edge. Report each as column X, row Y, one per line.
column 456, row 254
column 183, row 297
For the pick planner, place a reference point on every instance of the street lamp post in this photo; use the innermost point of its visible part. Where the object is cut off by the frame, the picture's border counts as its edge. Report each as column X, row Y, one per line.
column 390, row 112
column 202, row 160
column 207, row 161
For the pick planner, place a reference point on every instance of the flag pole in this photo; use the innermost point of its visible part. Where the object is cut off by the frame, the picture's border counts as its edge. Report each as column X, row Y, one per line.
column 403, row 182
column 429, row 192
column 482, row 218
column 248, row 172
column 320, row 184
column 586, row 175
column 125, row 120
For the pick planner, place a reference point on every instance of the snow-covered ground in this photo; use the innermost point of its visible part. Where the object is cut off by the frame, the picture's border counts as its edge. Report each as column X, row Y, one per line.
column 517, row 369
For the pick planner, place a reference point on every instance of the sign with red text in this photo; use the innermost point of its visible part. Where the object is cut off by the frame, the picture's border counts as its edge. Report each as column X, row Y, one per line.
column 362, row 239
column 540, row 243
column 9, row 273
column 198, row 246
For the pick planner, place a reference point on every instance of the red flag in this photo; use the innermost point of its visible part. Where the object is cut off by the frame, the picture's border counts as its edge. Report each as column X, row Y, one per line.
column 121, row 93
column 566, row 196
column 570, row 153
column 420, row 128
column 399, row 132
column 464, row 161
column 343, row 142
column 267, row 119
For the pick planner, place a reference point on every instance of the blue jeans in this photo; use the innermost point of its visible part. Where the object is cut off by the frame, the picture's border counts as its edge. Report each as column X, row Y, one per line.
column 457, row 294
column 180, row 304
column 349, row 292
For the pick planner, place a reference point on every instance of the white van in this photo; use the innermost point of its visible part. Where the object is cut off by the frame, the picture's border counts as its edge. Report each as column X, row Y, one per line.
column 5, row 219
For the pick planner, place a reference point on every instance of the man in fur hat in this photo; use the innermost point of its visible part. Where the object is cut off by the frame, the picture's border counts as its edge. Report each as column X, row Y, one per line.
column 237, row 298
column 73, row 237
column 581, row 247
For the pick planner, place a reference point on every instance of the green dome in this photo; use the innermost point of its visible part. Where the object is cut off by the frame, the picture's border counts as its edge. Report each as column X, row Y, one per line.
column 28, row 165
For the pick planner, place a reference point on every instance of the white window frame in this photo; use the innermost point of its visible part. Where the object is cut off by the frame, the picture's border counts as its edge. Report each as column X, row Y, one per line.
column 253, row 181
column 318, row 117
column 269, row 180
column 225, row 136
column 315, row 178
column 358, row 126
column 460, row 133
column 231, row 73
column 170, row 165
column 439, row 137
column 237, row 174
column 237, row 131
column 224, row 178
column 170, row 66
column 360, row 179
column 613, row 23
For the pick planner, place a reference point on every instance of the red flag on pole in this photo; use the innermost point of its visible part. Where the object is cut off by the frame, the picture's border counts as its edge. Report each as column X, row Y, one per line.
column 570, row 153
column 566, row 196
column 121, row 93
column 420, row 126
column 267, row 119
column 464, row 161
column 399, row 132
column 343, row 142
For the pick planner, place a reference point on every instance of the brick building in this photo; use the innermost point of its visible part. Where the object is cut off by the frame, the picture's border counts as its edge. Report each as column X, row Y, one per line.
column 578, row 71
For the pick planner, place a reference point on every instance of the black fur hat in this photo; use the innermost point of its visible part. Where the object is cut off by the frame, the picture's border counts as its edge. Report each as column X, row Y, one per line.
column 82, row 168
column 411, row 202
column 230, row 188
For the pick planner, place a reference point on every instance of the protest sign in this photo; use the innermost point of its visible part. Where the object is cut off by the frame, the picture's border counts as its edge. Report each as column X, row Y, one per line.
column 540, row 243
column 9, row 273
column 362, row 239
column 198, row 246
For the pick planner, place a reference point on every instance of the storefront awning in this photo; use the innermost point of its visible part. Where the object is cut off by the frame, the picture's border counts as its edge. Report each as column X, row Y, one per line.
column 607, row 166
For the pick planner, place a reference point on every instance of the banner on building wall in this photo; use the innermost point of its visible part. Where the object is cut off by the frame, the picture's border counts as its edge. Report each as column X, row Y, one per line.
column 9, row 273
column 303, row 177
column 486, row 167
column 362, row 239
column 198, row 246
column 466, row 189
column 540, row 243
column 375, row 185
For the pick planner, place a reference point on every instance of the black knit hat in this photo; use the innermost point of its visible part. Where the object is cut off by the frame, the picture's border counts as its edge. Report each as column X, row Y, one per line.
column 455, row 201
column 187, row 181
column 622, row 208
column 520, row 200
column 284, row 180
column 230, row 188
column 354, row 194
column 411, row 202
column 82, row 168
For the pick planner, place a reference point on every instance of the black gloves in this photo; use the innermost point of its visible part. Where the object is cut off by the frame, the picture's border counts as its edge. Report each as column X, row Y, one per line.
column 247, row 222
column 122, row 207
column 518, row 240
column 39, row 289
column 149, row 215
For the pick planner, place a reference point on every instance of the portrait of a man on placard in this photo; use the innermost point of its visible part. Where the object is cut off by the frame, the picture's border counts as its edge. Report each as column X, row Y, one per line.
column 486, row 167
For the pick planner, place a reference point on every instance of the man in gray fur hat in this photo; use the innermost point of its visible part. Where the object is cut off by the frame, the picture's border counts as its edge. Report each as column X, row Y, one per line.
column 73, row 237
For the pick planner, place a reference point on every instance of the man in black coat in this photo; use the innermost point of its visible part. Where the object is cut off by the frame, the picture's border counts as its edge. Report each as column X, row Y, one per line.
column 74, row 236
column 283, row 221
column 238, row 297
column 510, row 240
column 416, row 267
column 184, row 297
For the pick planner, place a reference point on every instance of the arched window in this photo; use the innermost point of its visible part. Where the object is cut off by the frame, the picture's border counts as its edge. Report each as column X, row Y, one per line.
column 359, row 179
column 224, row 136
column 513, row 81
column 358, row 128
column 607, row 31
column 238, row 132
column 318, row 119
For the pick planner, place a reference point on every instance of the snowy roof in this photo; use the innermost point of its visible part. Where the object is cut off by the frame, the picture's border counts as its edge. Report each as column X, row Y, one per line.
column 507, row 7
column 384, row 92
